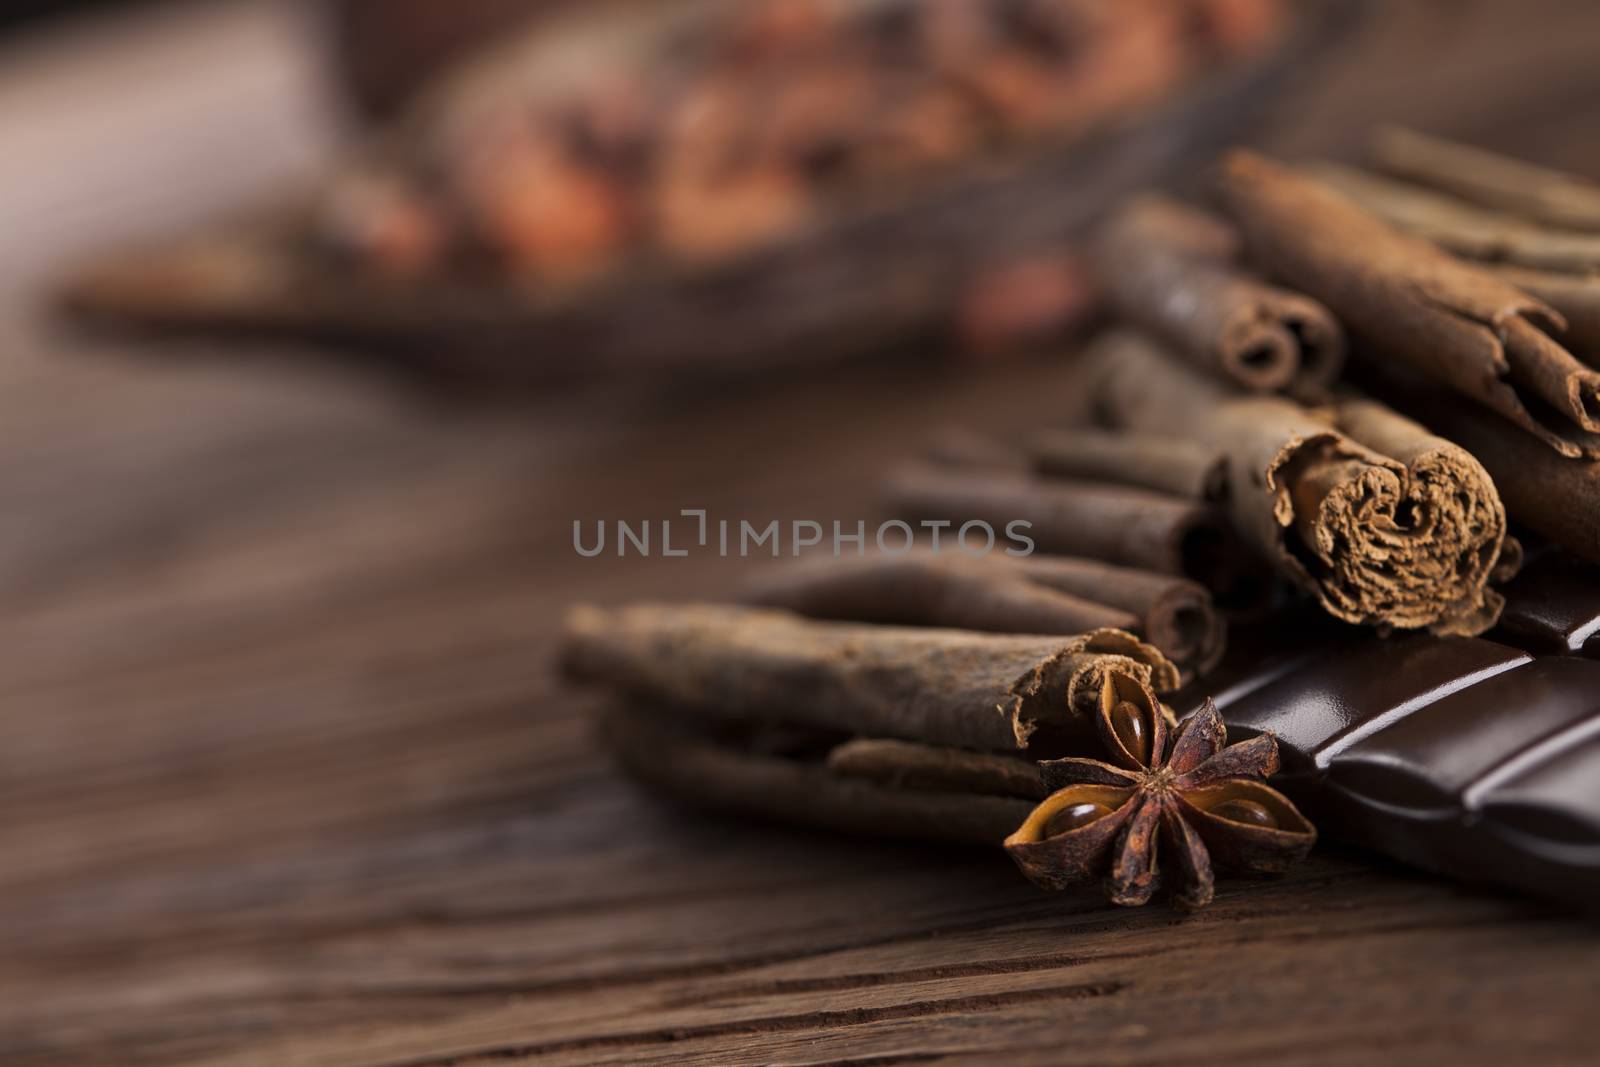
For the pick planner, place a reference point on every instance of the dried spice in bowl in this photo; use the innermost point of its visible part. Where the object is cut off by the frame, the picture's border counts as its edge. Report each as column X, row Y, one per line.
column 731, row 184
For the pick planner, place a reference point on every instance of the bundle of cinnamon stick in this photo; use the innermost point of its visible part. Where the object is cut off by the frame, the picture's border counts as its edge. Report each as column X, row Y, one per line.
column 1243, row 317
column 890, row 730
column 1527, row 347
column 916, row 694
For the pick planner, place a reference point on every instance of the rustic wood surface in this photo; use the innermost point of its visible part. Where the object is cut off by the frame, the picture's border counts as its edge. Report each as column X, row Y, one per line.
column 284, row 774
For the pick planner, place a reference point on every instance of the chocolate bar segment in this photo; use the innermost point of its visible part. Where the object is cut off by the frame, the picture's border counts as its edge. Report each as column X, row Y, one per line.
column 1458, row 755
column 1554, row 606
column 1333, row 699
column 1552, row 809
column 1434, row 756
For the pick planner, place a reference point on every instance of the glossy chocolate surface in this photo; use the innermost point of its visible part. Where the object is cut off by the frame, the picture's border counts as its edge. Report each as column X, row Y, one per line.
column 1470, row 757
column 1554, row 606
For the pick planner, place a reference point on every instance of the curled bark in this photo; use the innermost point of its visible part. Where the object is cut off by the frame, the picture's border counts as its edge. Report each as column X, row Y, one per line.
column 1118, row 524
column 1488, row 178
column 1385, row 523
column 1454, row 322
column 698, row 770
column 911, row 765
column 1030, row 595
column 922, row 588
column 1509, row 565
column 1464, row 229
column 1164, row 464
column 1576, row 296
column 954, row 687
column 957, row 446
column 1551, row 495
column 1175, row 271
column 1175, row 614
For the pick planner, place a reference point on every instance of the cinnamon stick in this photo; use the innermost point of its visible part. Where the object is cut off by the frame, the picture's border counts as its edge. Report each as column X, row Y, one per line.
column 910, row 764
column 1550, row 494
column 1454, row 322
column 1386, row 524
column 1461, row 228
column 953, row 687
column 1576, row 296
column 1164, row 464
column 1542, row 194
column 1509, row 565
column 1174, row 271
column 1175, row 614
column 958, row 446
column 698, row 770
column 1031, row 595
column 922, row 588
column 1118, row 524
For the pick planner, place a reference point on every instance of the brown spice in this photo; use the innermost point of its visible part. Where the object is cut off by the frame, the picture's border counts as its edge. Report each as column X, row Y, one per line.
column 1385, row 523
column 1174, row 614
column 958, row 446
column 991, row 593
column 1165, row 464
column 384, row 222
column 991, row 692
column 1576, row 296
column 1174, row 270
column 1513, row 185
column 1461, row 228
column 913, row 765
column 1550, row 494
column 709, row 219
column 545, row 212
column 1119, row 524
column 1035, row 594
column 1197, row 803
column 1454, row 322
column 698, row 769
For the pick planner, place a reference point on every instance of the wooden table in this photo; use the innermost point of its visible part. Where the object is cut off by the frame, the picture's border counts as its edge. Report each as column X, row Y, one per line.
column 285, row 777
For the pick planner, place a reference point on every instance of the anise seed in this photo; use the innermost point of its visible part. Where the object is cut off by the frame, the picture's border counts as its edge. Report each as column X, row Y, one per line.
column 1246, row 811
column 1074, row 816
column 1127, row 721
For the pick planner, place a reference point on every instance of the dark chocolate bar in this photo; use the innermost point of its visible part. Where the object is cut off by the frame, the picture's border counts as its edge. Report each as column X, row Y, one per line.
column 1554, row 606
column 1468, row 757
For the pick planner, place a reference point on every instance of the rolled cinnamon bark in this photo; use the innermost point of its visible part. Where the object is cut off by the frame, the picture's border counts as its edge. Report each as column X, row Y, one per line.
column 911, row 764
column 1119, row 524
column 1164, row 464
column 1576, row 296
column 1385, row 523
column 698, row 770
column 1454, row 322
column 1509, row 565
column 952, row 687
column 1174, row 271
column 957, row 446
column 990, row 593
column 1550, row 494
column 1028, row 595
column 1176, row 615
column 1464, row 229
column 1488, row 178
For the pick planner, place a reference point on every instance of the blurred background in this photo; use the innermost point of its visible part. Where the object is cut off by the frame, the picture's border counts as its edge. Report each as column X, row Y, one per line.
column 321, row 323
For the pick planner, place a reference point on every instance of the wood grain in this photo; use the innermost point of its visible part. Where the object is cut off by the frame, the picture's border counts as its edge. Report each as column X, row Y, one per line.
column 285, row 777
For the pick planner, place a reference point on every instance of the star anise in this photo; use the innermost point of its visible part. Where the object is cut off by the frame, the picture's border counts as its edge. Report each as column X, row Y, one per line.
column 1198, row 804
